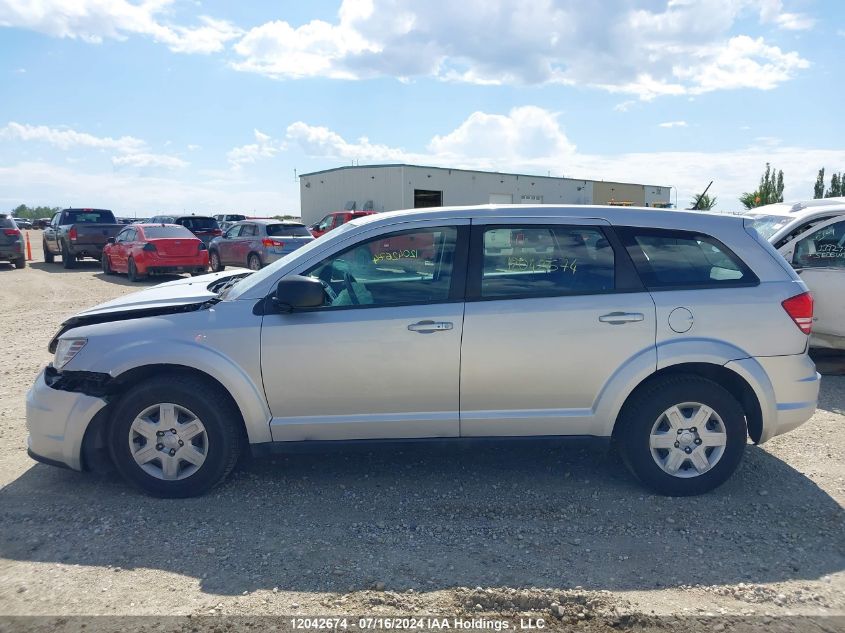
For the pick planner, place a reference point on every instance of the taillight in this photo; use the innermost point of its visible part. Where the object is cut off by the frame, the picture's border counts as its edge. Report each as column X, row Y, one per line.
column 217, row 232
column 270, row 243
column 149, row 247
column 800, row 308
column 11, row 232
column 202, row 247
column 72, row 233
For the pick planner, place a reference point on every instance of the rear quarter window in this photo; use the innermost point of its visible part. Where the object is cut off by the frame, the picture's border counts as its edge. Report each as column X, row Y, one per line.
column 670, row 259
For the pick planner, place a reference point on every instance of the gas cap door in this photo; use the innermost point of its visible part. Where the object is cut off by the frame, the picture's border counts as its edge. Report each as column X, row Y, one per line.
column 681, row 320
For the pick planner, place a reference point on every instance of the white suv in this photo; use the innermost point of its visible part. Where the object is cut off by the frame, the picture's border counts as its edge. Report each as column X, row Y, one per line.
column 678, row 335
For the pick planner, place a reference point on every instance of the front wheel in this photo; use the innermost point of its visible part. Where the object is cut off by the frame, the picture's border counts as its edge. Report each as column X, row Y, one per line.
column 48, row 256
column 682, row 435
column 106, row 266
column 175, row 436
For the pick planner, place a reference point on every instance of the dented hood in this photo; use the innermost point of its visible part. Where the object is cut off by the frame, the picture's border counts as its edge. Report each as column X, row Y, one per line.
column 181, row 295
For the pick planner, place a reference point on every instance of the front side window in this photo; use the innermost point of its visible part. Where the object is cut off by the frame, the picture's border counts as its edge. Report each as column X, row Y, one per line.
column 533, row 260
column 121, row 237
column 405, row 267
column 678, row 259
column 823, row 248
column 235, row 231
column 326, row 223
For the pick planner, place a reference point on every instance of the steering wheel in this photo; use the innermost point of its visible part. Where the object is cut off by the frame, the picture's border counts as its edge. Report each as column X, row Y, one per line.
column 348, row 280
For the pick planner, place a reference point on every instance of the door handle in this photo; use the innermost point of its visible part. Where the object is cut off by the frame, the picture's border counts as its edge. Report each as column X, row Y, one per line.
column 618, row 318
column 427, row 327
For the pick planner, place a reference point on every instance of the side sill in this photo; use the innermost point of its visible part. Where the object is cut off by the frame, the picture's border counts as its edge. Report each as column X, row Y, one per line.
column 266, row 449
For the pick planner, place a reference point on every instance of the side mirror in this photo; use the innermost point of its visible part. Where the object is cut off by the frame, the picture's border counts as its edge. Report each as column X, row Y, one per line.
column 298, row 293
column 111, row 240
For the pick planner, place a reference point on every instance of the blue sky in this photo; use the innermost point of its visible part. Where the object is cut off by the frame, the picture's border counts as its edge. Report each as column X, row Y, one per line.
column 159, row 105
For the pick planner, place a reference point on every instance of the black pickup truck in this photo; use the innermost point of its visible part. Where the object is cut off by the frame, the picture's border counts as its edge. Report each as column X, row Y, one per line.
column 78, row 233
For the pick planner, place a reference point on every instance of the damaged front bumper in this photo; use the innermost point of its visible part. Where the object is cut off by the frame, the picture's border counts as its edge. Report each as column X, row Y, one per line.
column 58, row 414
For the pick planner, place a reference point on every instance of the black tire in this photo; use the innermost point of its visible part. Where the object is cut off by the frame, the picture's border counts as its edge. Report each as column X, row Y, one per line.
column 253, row 262
column 49, row 258
column 219, row 417
column 106, row 266
column 216, row 265
column 132, row 271
column 20, row 262
column 642, row 411
column 68, row 260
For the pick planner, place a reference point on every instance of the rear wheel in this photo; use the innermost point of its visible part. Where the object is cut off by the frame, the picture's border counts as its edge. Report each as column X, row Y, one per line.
column 216, row 265
column 132, row 271
column 175, row 436
column 682, row 435
column 48, row 256
column 68, row 260
column 20, row 262
column 253, row 262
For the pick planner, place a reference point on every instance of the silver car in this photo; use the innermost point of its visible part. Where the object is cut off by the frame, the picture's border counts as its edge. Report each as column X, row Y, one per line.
column 256, row 243
column 677, row 335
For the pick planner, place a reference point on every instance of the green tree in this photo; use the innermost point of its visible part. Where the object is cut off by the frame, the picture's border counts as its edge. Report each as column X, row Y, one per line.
column 769, row 191
column 706, row 202
column 835, row 186
column 818, row 188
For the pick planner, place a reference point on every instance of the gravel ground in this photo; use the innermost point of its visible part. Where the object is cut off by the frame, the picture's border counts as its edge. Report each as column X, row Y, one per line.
column 559, row 530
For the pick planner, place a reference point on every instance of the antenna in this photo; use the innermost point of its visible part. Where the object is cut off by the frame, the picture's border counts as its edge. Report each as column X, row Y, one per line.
column 703, row 193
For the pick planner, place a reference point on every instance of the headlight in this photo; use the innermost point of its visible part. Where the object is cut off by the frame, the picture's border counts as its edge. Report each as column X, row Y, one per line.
column 67, row 349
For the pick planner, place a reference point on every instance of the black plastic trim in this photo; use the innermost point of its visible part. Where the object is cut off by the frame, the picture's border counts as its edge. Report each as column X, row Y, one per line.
column 47, row 460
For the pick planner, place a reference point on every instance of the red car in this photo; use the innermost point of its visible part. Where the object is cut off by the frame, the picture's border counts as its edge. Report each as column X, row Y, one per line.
column 334, row 220
column 153, row 249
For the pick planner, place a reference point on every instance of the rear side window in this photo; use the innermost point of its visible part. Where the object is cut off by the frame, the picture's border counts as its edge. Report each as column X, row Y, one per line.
column 534, row 260
column 287, row 230
column 158, row 232
column 682, row 259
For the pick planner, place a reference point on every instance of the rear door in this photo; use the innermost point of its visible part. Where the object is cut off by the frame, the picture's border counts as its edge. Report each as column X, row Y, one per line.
column 554, row 310
column 245, row 243
column 818, row 255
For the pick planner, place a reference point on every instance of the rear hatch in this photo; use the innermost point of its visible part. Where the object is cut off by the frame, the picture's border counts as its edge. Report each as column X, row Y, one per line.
column 285, row 238
column 205, row 228
column 9, row 232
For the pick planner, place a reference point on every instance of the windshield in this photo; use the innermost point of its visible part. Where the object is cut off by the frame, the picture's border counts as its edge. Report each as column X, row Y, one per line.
column 154, row 232
column 287, row 230
column 272, row 270
column 768, row 225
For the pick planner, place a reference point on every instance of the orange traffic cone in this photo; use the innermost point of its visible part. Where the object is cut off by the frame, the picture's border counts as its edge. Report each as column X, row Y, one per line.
column 28, row 248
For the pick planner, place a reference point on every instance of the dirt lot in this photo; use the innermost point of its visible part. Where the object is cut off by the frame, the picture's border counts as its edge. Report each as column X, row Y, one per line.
column 557, row 530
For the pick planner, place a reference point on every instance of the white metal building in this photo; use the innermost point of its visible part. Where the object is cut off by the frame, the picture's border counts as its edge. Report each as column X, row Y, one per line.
column 392, row 187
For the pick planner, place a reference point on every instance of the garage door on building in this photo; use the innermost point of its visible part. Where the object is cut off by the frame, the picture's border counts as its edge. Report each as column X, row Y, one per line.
column 501, row 198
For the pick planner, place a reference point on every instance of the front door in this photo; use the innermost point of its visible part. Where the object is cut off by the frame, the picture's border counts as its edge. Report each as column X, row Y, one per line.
column 819, row 257
column 381, row 358
column 226, row 246
column 551, row 316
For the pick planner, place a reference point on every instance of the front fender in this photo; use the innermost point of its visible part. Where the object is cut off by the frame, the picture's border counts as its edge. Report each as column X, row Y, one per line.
column 248, row 396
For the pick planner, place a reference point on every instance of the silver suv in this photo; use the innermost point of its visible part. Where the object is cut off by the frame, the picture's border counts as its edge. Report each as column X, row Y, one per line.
column 676, row 335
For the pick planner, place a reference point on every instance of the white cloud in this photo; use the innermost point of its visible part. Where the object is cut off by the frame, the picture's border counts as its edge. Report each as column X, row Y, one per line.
column 65, row 138
column 624, row 106
column 126, row 193
column 96, row 20
column 795, row 22
column 192, row 147
column 470, row 146
column 149, row 160
column 673, row 124
column 682, row 48
column 264, row 147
